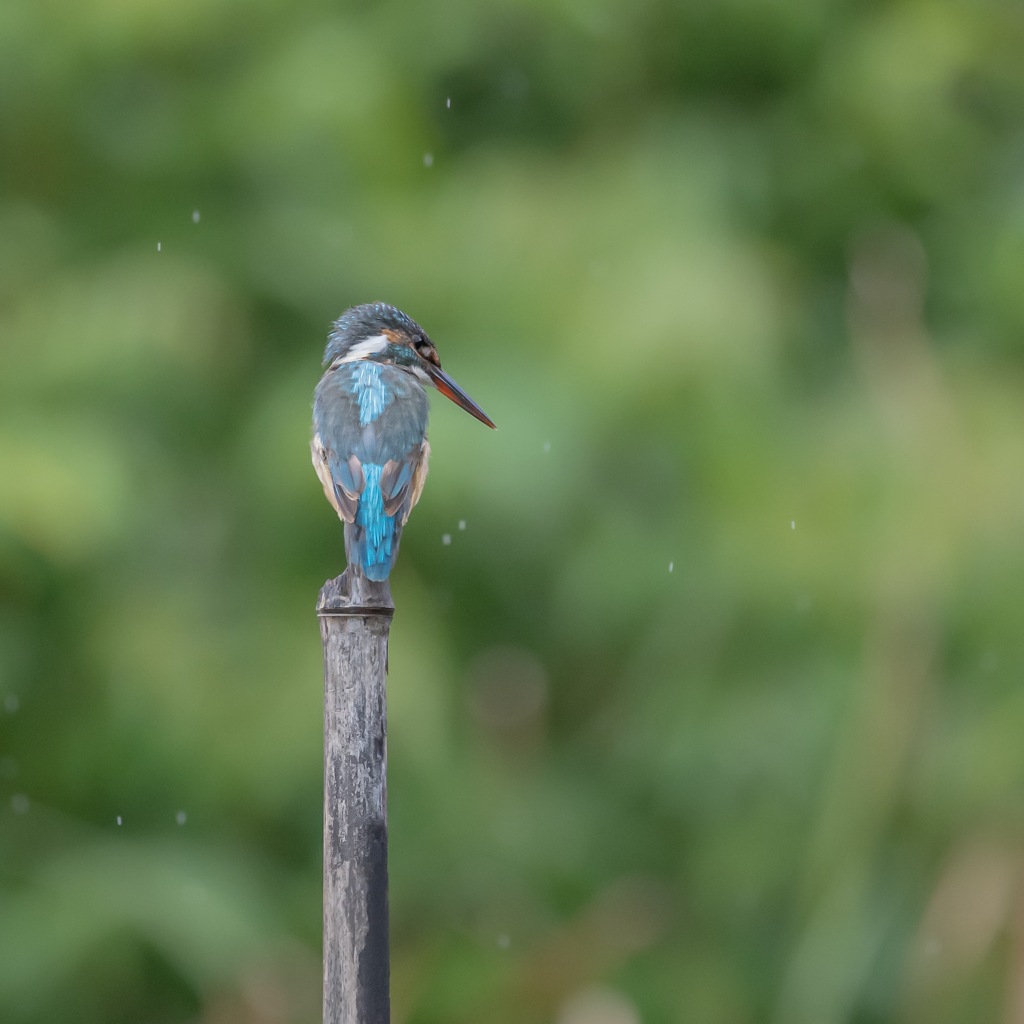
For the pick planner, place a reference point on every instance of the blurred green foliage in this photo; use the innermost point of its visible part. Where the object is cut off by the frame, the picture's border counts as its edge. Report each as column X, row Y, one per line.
column 711, row 708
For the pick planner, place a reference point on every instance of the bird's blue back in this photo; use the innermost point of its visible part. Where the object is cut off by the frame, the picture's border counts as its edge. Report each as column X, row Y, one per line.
column 376, row 413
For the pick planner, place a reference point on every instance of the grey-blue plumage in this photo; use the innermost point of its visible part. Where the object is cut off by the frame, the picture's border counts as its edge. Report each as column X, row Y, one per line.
column 372, row 428
column 370, row 415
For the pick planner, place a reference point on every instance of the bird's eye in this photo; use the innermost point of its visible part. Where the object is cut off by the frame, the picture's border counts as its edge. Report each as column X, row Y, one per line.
column 425, row 349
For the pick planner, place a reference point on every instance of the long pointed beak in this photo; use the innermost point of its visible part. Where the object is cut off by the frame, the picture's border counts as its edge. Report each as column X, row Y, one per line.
column 451, row 390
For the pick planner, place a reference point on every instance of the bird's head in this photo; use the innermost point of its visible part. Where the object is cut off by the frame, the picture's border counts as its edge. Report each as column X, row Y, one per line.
column 384, row 334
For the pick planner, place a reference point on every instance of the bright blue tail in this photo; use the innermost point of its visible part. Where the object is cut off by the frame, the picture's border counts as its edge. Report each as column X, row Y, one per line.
column 371, row 542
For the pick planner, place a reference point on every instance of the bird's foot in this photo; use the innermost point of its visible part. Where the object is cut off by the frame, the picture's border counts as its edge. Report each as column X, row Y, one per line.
column 352, row 593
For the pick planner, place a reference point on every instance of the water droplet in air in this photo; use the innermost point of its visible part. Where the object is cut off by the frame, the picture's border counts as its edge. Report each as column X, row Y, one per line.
column 158, row 244
column 547, row 447
column 181, row 817
column 446, row 538
column 792, row 524
column 671, row 566
column 119, row 819
column 448, row 103
column 462, row 524
column 195, row 216
column 428, row 159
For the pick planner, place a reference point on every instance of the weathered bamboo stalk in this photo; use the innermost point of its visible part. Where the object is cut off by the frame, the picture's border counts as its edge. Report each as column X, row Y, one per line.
column 355, row 618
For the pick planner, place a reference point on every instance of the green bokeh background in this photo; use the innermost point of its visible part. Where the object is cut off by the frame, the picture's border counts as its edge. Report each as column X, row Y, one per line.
column 710, row 708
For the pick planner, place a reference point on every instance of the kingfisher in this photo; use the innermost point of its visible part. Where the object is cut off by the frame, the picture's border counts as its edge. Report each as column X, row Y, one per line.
column 370, row 412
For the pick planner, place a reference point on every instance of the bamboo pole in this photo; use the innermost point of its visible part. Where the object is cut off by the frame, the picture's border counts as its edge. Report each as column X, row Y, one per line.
column 355, row 618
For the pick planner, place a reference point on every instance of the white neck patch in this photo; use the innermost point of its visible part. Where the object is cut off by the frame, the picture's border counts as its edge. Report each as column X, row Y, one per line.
column 364, row 349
